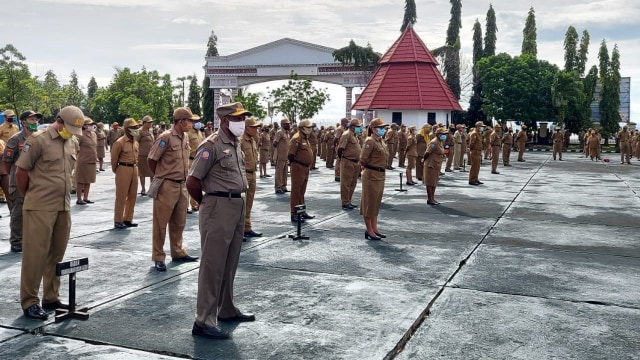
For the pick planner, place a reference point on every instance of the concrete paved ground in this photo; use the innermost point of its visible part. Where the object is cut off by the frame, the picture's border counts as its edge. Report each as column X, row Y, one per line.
column 540, row 262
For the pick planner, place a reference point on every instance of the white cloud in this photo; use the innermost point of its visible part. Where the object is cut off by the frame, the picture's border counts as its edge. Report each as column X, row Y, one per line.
column 168, row 46
column 189, row 21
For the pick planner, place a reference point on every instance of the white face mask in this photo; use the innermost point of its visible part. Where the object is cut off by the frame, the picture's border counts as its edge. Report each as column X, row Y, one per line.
column 236, row 127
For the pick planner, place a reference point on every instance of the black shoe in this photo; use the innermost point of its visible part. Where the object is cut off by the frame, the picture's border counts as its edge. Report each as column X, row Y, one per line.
column 210, row 333
column 35, row 312
column 72, row 192
column 369, row 237
column 495, row 172
column 279, row 191
column 189, row 211
column 16, row 248
column 119, row 225
column 245, row 239
column 80, row 202
column 474, row 183
column 285, row 190
column 100, row 169
column 448, row 170
column 382, row 236
column 252, row 233
column 295, row 219
column 435, row 202
column 307, row 216
column 160, row 266
column 129, row 224
column 267, row 175
column 480, row 182
column 55, row 305
column 354, row 206
column 240, row 317
column 89, row 201
column 521, row 160
column 337, row 179
column 186, row 258
column 410, row 183
column 347, row 207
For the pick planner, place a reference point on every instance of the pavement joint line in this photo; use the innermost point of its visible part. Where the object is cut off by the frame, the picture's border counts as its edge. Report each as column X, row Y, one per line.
column 427, row 311
column 576, row 223
column 562, row 251
column 22, row 332
column 623, row 181
column 589, row 302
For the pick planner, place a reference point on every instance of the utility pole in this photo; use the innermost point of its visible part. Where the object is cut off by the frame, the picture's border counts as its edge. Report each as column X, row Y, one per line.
column 183, row 79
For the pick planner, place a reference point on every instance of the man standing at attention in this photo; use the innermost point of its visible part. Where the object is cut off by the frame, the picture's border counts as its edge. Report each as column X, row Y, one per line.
column 124, row 163
column 7, row 130
column 402, row 145
column 521, row 141
column 250, row 151
column 349, row 153
column 495, row 142
column 558, row 140
column 300, row 156
column 507, row 143
column 625, row 148
column 218, row 171
column 43, row 176
column 168, row 161
column 280, row 144
column 475, row 150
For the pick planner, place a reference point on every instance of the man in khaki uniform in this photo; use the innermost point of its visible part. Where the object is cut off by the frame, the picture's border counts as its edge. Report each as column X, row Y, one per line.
column 12, row 150
column 300, row 156
column 7, row 130
column 195, row 138
column 43, row 176
column 264, row 146
column 168, row 159
column 475, row 149
column 521, row 141
column 402, row 145
column 273, row 129
column 486, row 142
column 281, row 144
column 342, row 127
column 313, row 140
column 558, row 140
column 145, row 141
column 349, row 153
column 625, row 148
column 114, row 134
column 124, row 163
column 495, row 140
column 209, row 129
column 250, row 151
column 219, row 172
column 449, row 148
column 391, row 138
column 460, row 146
column 507, row 144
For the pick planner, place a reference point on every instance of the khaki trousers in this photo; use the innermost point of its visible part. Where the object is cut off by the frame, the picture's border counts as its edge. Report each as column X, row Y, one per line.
column 495, row 156
column 329, row 156
column 299, row 179
column 625, row 152
column 46, row 234
column 169, row 208
column 450, row 156
column 221, row 230
column 126, row 193
column 521, row 146
column 251, row 193
column 419, row 166
column 15, row 238
column 323, row 151
column 458, row 156
column 336, row 169
column 402, row 155
column 348, row 180
column 557, row 149
column 476, row 159
column 314, row 147
column 281, row 174
column 192, row 202
column 506, row 153
column 392, row 153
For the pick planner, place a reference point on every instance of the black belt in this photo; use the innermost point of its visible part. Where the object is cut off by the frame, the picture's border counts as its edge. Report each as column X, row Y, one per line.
column 300, row 162
column 191, row 158
column 225, row 194
column 126, row 164
column 374, row 168
column 176, row 181
column 355, row 161
column 250, row 171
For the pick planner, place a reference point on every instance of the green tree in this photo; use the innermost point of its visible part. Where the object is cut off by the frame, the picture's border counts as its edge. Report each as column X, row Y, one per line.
column 53, row 96
column 73, row 93
column 529, row 39
column 610, row 93
column 581, row 61
column 212, row 45
column 569, row 99
column 410, row 14
column 208, row 111
column 92, row 87
column 251, row 102
column 15, row 79
column 452, row 57
column 570, row 49
column 194, row 95
column 474, row 113
column 361, row 57
column 298, row 99
column 490, row 35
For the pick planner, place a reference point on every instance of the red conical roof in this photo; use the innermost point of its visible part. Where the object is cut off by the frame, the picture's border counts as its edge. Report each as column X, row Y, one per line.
column 407, row 79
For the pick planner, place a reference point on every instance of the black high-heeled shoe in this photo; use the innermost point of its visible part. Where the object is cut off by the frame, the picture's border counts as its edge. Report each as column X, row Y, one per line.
column 383, row 236
column 369, row 237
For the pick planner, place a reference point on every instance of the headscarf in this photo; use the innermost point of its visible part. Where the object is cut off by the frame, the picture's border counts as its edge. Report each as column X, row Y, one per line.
column 424, row 133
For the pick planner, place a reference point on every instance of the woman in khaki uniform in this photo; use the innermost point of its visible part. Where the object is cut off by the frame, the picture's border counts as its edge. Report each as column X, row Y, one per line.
column 329, row 146
column 145, row 141
column 593, row 145
column 86, row 162
column 373, row 161
column 422, row 139
column 101, row 138
column 432, row 160
column 411, row 154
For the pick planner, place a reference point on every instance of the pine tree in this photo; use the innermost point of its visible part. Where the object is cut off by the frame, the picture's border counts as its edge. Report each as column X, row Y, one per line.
column 194, row 95
column 452, row 59
column 570, row 49
column 610, row 90
column 212, row 45
column 474, row 113
column 410, row 14
column 581, row 61
column 92, row 87
column 490, row 35
column 208, row 110
column 529, row 39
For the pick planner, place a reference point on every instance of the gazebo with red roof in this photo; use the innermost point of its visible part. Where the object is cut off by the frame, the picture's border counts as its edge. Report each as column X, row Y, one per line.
column 407, row 88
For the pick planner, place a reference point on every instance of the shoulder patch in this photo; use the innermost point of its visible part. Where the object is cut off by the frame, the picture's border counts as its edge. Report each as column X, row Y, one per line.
column 8, row 152
column 367, row 146
column 433, row 145
column 26, row 147
column 205, row 154
column 162, row 144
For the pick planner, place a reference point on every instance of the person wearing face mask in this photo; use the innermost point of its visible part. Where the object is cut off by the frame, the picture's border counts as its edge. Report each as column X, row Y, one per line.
column 264, row 145
column 349, row 151
column 342, row 127
column 329, row 141
column 521, row 141
column 195, row 138
column 145, row 141
column 43, row 177
column 249, row 148
column 85, row 173
column 495, row 141
column 114, row 134
column 402, row 145
column 7, row 130
column 507, row 143
column 558, row 139
column 124, row 163
column 432, row 160
column 101, row 138
column 423, row 138
column 460, row 147
column 475, row 151
column 281, row 145
column 168, row 161
column 373, row 161
column 412, row 154
column 219, row 172
column 300, row 156
column 313, row 140
column 29, row 120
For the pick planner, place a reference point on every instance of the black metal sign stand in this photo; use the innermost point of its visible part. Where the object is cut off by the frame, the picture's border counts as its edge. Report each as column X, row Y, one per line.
column 300, row 209
column 401, row 189
column 71, row 268
column 464, row 163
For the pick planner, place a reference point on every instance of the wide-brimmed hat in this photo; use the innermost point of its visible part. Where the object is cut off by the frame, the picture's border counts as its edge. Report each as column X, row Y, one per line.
column 232, row 109
column 183, row 113
column 479, row 123
column 73, row 119
column 355, row 122
column 377, row 122
column 130, row 123
column 252, row 122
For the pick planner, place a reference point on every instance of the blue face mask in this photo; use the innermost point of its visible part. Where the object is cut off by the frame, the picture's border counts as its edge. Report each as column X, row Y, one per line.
column 197, row 125
column 358, row 130
column 481, row 128
column 380, row 131
column 443, row 137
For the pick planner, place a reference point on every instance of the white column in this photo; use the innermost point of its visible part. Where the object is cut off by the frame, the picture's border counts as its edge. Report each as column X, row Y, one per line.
column 216, row 104
column 349, row 102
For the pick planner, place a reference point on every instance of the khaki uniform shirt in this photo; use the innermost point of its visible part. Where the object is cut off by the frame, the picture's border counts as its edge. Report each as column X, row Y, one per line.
column 124, row 150
column 350, row 145
column 402, row 139
column 281, row 142
column 623, row 136
column 195, row 138
column 114, row 135
column 11, row 154
column 219, row 165
column 265, row 141
column 412, row 145
column 88, row 143
column 486, row 138
column 7, row 130
column 337, row 135
column 522, row 136
column 208, row 131
column 391, row 137
column 495, row 139
column 313, row 138
column 507, row 138
column 145, row 141
column 375, row 154
column 301, row 149
column 461, row 138
column 558, row 137
column 50, row 160
column 475, row 140
column 250, row 152
column 101, row 138
column 329, row 139
column 171, row 152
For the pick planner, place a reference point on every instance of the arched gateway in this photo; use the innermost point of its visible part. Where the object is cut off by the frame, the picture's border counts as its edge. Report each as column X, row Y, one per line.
column 275, row 61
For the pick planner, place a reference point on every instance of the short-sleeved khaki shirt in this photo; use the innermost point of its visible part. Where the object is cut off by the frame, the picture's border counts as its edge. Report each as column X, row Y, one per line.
column 7, row 130
column 49, row 160
column 250, row 151
column 282, row 144
column 171, row 151
column 11, row 154
column 301, row 150
column 88, row 143
column 195, row 138
column 145, row 141
column 219, row 165
column 350, row 145
column 124, row 150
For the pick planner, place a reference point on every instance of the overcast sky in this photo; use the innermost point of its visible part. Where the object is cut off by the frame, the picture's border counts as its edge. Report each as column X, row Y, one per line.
column 93, row 37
